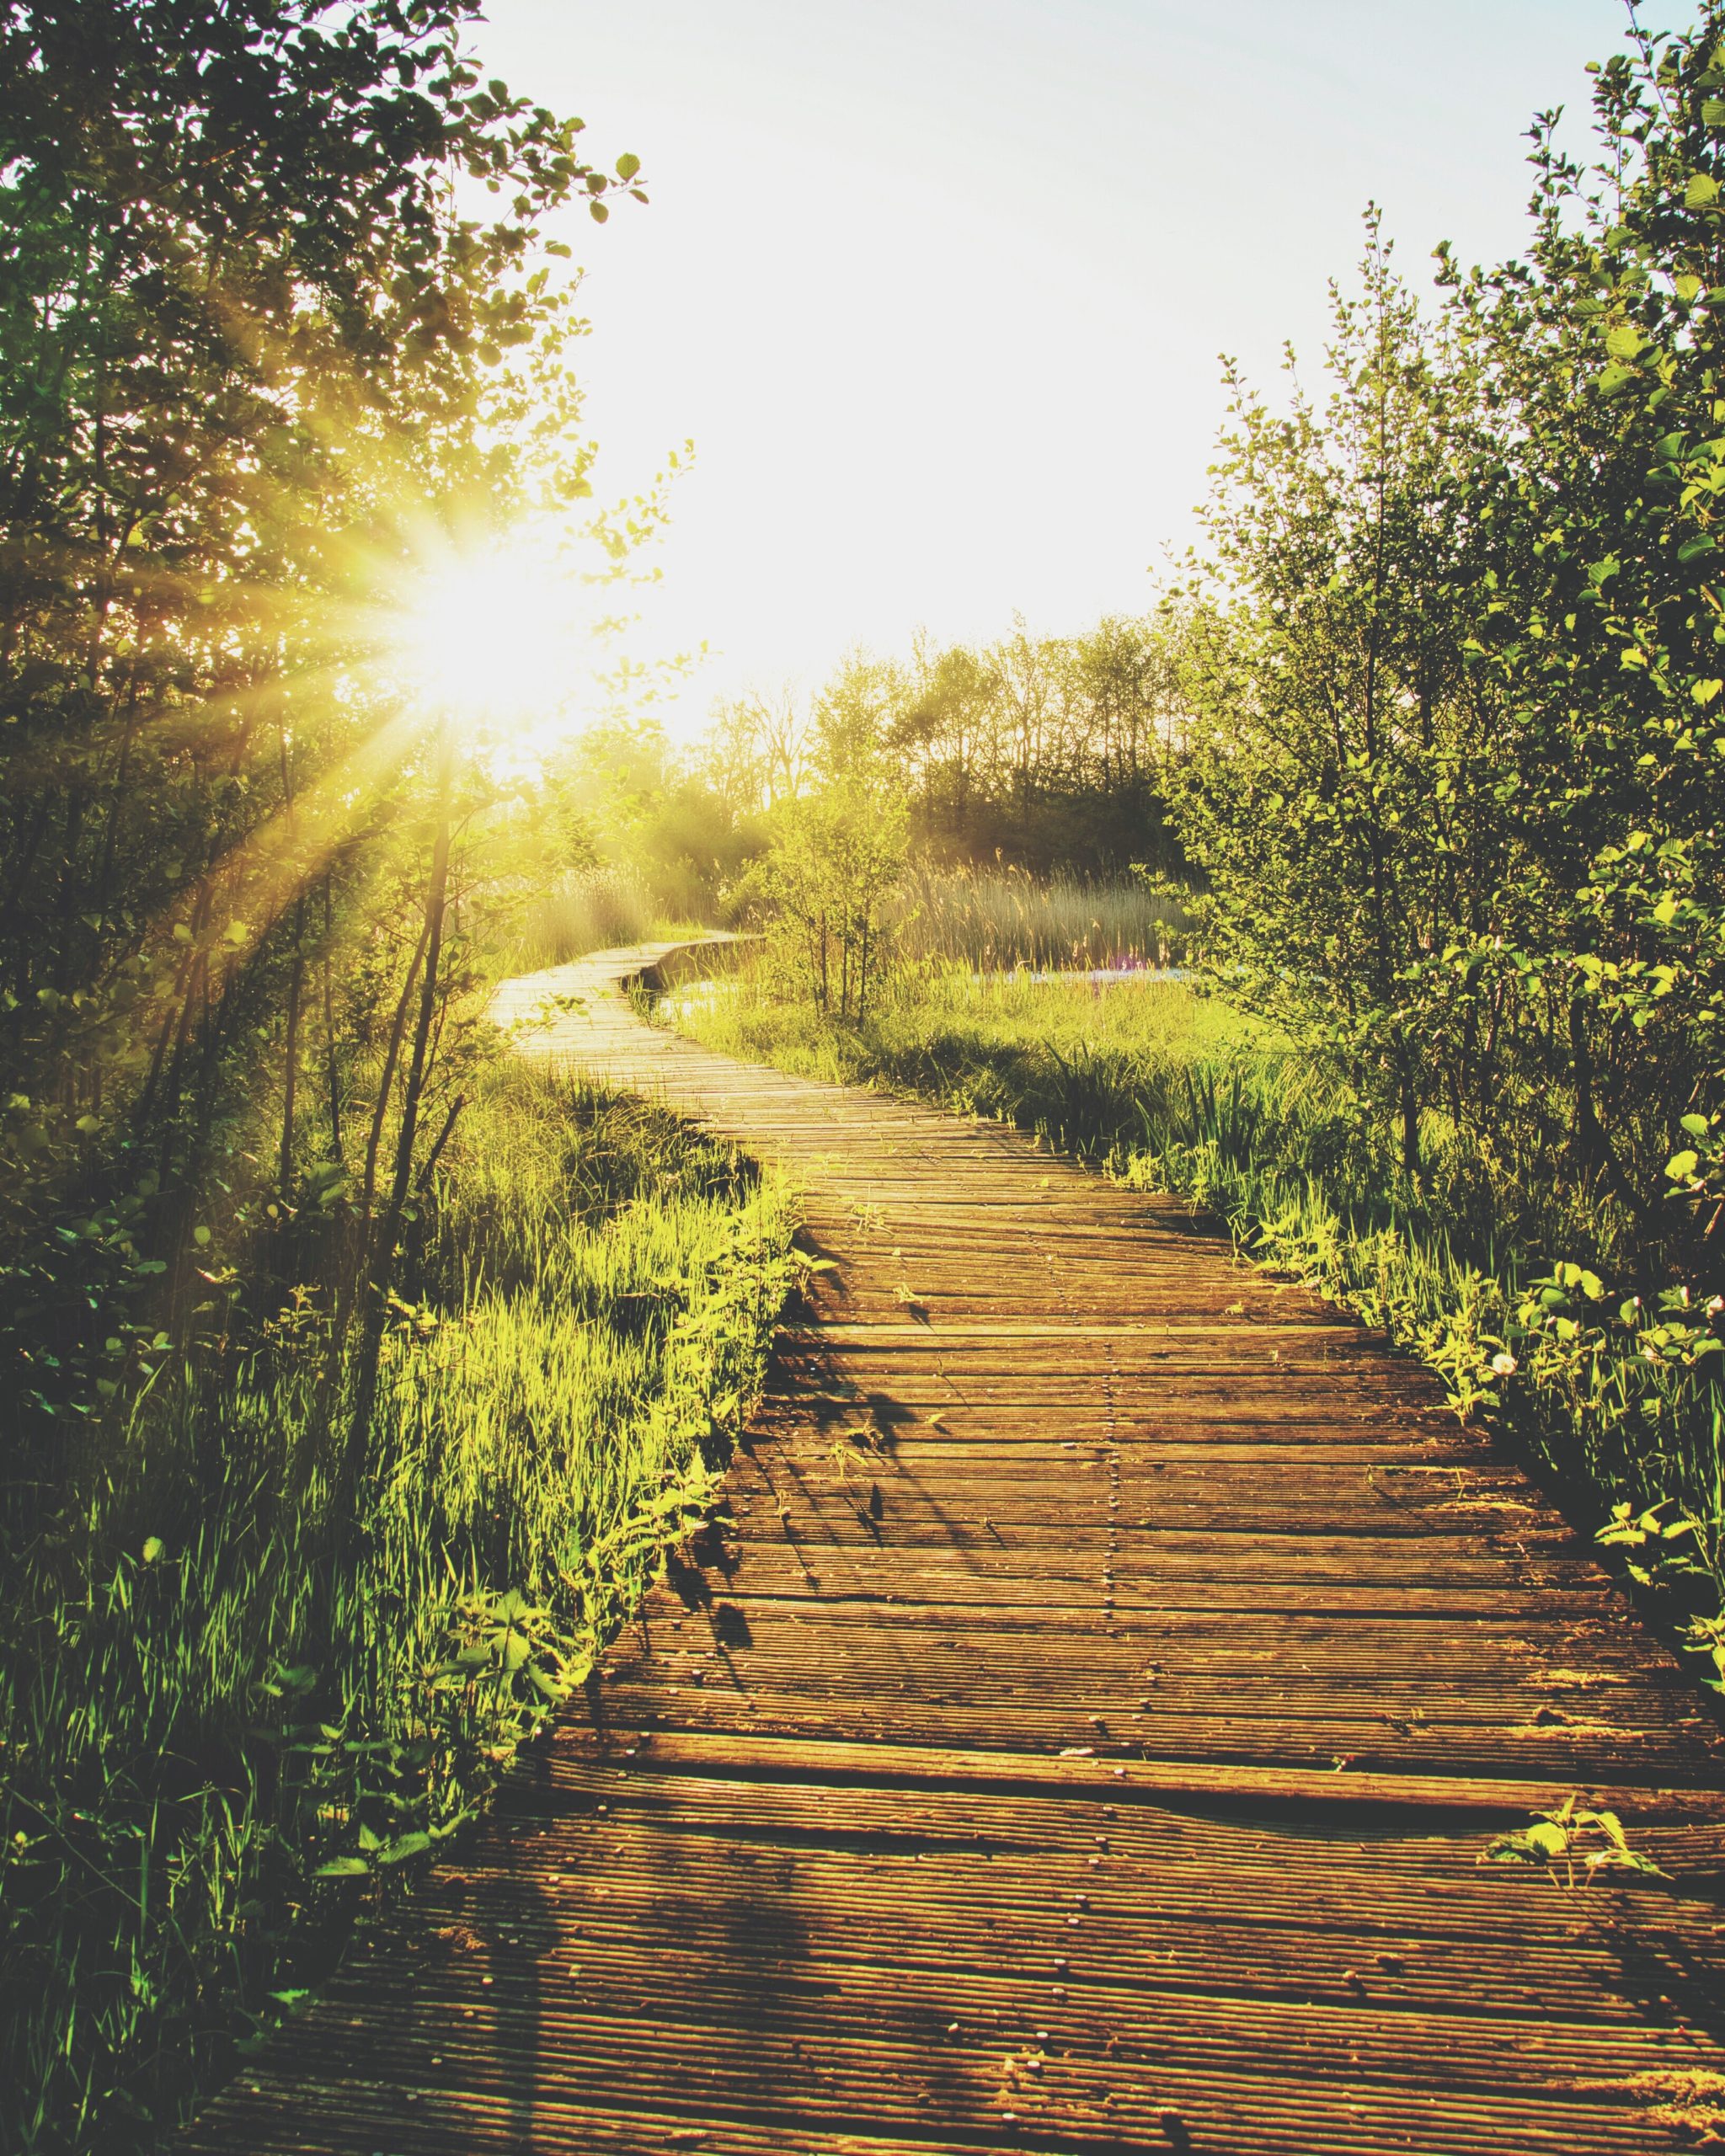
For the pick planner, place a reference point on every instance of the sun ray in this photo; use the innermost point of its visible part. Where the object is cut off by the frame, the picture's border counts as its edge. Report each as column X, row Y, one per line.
column 497, row 633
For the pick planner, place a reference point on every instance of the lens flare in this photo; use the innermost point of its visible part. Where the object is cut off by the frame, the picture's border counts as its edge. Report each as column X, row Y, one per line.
column 500, row 633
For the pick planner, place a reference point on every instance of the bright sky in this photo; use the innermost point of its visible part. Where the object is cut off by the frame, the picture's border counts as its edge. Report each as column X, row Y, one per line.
column 937, row 288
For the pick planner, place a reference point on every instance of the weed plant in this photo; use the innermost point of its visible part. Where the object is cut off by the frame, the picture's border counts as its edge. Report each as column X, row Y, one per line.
column 215, row 1754
column 1510, row 1290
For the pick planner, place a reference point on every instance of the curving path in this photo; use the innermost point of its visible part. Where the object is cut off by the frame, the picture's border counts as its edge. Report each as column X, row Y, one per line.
column 1077, row 1735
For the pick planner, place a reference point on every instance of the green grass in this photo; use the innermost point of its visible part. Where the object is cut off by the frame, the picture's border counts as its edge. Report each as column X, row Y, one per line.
column 1074, row 1057
column 1614, row 1403
column 211, row 1762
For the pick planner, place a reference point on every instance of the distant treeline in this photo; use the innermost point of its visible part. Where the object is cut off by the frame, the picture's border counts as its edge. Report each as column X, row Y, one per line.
column 1050, row 751
column 1046, row 756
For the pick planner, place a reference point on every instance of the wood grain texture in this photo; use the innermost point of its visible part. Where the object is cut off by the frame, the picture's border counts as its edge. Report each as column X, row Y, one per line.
column 1075, row 1733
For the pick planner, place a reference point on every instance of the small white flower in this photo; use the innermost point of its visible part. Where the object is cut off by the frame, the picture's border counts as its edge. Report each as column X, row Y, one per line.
column 1504, row 1365
column 1715, row 1305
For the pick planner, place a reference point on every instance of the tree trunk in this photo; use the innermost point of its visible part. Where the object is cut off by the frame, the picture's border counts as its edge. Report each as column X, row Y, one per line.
column 332, row 1064
column 386, row 1083
column 1410, row 1127
column 295, row 983
column 380, row 1268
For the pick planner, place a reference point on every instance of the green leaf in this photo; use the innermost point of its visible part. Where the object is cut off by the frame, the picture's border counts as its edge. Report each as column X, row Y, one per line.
column 1623, row 1859
column 627, row 165
column 1623, row 341
column 343, row 1867
column 154, row 1550
column 1702, row 192
column 403, row 1847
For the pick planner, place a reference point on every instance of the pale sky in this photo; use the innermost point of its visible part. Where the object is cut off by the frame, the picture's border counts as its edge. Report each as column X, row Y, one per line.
column 937, row 290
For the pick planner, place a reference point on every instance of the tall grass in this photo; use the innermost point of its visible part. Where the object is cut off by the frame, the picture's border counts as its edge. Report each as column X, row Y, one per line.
column 993, row 918
column 587, row 910
column 1502, row 1285
column 211, row 1750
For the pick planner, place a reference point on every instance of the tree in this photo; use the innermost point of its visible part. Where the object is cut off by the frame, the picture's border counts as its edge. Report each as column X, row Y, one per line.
column 253, row 347
column 833, row 856
column 1457, row 669
column 1602, row 357
column 1331, row 795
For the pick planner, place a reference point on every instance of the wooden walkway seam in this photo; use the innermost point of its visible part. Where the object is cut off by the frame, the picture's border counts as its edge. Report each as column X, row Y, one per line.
column 1076, row 1733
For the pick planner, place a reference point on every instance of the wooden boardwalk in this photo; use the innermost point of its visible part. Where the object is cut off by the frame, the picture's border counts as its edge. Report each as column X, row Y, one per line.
column 1076, row 1735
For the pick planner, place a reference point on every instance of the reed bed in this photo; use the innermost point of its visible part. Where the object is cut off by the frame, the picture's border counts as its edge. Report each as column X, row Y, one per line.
column 215, row 1753
column 587, row 910
column 998, row 918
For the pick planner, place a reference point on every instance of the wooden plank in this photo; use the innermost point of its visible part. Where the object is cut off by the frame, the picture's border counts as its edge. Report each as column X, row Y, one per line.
column 1330, row 1791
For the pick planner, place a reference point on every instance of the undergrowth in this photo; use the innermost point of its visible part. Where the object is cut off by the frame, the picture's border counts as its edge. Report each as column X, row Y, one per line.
column 213, row 1759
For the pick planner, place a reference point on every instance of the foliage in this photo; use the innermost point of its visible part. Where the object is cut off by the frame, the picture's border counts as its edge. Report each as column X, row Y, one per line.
column 1458, row 730
column 199, row 1726
column 254, row 351
column 653, row 817
column 1055, row 747
column 1332, row 709
column 833, row 860
column 280, row 328
column 1555, row 1839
